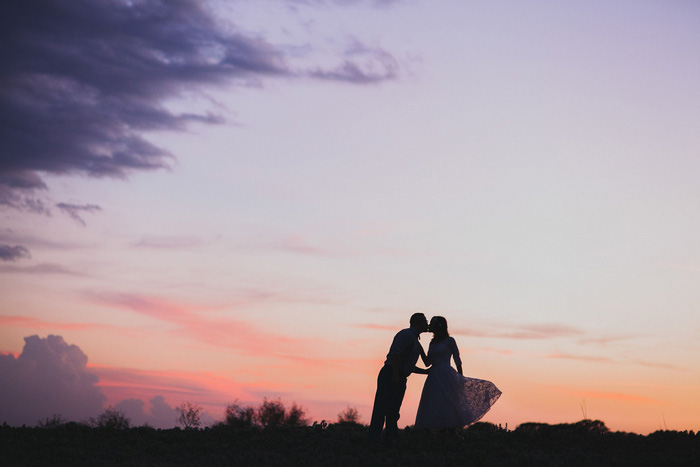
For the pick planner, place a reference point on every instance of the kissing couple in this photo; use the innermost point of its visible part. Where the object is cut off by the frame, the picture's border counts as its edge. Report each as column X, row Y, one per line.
column 449, row 399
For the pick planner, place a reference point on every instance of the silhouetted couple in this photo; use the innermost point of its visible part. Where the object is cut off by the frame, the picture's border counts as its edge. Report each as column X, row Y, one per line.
column 449, row 399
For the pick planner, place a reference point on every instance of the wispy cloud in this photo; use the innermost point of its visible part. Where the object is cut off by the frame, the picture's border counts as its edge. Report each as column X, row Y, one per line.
column 13, row 253
column 75, row 210
column 363, row 65
column 36, row 324
column 192, row 321
column 301, row 245
column 615, row 396
column 39, row 269
column 584, row 358
column 377, row 327
column 605, row 340
column 658, row 365
column 618, row 361
column 522, row 332
column 169, row 242
column 33, row 241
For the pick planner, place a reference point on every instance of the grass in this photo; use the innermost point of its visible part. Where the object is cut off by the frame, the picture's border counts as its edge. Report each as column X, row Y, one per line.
column 583, row 443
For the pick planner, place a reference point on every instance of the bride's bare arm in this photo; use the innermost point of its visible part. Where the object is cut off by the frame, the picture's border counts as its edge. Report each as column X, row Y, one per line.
column 456, row 357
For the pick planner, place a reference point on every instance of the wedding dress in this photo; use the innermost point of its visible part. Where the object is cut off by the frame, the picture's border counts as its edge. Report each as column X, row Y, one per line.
column 450, row 400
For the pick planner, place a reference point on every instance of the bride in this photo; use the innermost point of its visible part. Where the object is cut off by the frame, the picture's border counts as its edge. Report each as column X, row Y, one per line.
column 450, row 399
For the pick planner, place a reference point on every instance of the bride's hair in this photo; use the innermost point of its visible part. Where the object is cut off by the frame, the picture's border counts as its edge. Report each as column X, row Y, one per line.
column 438, row 326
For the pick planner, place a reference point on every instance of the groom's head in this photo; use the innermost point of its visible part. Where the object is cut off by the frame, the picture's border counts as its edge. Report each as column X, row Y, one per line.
column 418, row 321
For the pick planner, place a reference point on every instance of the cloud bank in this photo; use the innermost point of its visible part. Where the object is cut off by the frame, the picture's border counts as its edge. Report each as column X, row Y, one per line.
column 49, row 377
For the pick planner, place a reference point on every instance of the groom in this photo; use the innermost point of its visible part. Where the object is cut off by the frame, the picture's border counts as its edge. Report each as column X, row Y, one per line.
column 391, row 382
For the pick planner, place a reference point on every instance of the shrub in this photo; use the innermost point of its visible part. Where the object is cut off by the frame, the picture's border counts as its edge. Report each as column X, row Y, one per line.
column 295, row 416
column 54, row 422
column 189, row 415
column 111, row 419
column 484, row 427
column 349, row 416
column 270, row 414
column 238, row 416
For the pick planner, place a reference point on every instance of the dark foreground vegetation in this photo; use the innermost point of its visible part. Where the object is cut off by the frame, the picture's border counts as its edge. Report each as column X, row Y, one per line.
column 584, row 443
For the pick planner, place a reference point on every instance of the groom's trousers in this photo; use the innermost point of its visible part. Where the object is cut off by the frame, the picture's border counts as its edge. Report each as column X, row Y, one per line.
column 387, row 403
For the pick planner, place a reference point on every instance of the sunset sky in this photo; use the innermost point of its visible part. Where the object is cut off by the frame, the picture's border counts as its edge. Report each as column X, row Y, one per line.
column 235, row 200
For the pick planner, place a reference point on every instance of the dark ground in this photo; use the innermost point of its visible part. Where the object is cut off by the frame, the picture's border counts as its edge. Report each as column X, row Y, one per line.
column 583, row 443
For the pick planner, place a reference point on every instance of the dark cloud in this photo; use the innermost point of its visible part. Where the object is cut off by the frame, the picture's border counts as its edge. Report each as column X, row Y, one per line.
column 82, row 80
column 13, row 253
column 74, row 210
column 49, row 377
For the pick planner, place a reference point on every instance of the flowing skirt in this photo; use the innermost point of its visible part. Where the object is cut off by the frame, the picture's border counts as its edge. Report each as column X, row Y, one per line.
column 450, row 400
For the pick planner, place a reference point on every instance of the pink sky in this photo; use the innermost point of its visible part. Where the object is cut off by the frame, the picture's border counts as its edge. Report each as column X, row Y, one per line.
column 247, row 200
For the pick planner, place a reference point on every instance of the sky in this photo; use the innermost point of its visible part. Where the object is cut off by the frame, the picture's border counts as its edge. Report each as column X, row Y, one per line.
column 221, row 201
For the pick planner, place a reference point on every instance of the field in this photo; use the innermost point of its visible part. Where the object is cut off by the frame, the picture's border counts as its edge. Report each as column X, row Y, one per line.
column 583, row 443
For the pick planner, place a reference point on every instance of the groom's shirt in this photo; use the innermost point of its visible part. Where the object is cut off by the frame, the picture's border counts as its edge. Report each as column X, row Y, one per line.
column 405, row 345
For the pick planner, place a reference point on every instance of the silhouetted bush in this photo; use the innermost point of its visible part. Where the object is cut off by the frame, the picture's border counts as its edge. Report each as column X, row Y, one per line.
column 189, row 415
column 581, row 427
column 483, row 427
column 238, row 416
column 349, row 416
column 51, row 422
column 111, row 419
column 295, row 416
column 270, row 414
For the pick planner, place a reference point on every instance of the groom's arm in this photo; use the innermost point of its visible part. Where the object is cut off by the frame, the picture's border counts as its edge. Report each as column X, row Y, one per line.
column 421, row 371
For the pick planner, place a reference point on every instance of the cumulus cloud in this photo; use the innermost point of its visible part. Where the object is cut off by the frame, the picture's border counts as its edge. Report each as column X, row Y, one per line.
column 158, row 415
column 13, row 253
column 49, row 377
column 83, row 80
